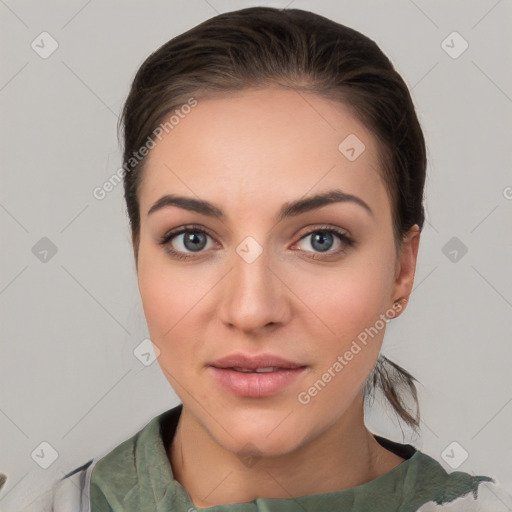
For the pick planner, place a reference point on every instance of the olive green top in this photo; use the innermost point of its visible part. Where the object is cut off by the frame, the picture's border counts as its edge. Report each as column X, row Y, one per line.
column 136, row 476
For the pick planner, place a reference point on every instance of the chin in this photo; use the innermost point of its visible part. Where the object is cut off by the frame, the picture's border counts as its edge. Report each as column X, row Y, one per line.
column 260, row 434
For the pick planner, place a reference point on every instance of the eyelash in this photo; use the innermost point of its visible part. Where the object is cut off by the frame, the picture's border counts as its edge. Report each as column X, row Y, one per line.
column 344, row 238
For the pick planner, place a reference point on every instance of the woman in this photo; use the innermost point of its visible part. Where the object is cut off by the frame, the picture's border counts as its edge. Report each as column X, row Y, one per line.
column 274, row 170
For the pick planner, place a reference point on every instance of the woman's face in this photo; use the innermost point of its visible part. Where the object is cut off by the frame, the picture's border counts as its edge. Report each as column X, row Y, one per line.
column 298, row 287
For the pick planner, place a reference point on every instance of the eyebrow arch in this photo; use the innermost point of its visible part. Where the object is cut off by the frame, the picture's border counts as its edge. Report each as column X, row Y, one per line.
column 289, row 209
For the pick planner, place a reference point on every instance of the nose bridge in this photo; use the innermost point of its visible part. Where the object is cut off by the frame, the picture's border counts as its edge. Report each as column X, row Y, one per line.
column 252, row 296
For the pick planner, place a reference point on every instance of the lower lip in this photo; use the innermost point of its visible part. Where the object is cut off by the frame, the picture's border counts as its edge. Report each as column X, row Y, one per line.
column 256, row 385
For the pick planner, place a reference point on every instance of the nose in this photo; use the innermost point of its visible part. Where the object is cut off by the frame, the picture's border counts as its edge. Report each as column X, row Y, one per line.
column 254, row 297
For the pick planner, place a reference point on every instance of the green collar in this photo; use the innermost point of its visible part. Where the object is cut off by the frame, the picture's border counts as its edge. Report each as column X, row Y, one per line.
column 136, row 475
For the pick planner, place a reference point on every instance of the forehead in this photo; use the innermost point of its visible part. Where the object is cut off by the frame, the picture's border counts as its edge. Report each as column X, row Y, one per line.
column 275, row 144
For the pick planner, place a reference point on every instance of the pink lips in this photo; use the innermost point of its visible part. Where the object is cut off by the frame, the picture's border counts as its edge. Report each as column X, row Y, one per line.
column 255, row 376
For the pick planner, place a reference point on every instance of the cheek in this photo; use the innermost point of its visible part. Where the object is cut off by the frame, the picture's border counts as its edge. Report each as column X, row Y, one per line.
column 168, row 297
column 168, row 301
column 347, row 324
column 347, row 300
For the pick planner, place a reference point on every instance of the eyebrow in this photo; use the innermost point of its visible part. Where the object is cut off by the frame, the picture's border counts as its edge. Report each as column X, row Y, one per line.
column 289, row 209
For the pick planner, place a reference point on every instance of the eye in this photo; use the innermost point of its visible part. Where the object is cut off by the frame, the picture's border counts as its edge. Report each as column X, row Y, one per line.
column 183, row 242
column 190, row 241
column 328, row 240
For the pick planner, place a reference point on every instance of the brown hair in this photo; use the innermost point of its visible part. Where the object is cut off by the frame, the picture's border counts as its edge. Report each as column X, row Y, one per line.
column 291, row 48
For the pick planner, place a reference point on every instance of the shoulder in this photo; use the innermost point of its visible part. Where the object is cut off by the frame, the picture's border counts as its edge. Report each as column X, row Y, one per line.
column 435, row 489
column 115, row 474
column 118, row 465
column 70, row 493
column 490, row 497
column 127, row 476
column 104, row 481
column 81, row 490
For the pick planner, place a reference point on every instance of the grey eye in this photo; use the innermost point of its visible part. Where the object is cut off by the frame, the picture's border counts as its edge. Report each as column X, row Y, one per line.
column 194, row 241
column 321, row 241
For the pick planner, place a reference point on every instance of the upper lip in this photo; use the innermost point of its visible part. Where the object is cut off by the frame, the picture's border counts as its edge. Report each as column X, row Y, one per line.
column 253, row 362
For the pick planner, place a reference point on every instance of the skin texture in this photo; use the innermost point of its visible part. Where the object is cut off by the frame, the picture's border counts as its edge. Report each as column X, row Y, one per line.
column 249, row 153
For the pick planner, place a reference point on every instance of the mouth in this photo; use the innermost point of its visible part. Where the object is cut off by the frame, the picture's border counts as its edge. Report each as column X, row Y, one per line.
column 256, row 377
column 249, row 363
column 269, row 369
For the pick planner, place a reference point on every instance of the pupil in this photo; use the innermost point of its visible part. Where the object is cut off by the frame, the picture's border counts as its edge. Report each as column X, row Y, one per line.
column 322, row 241
column 194, row 241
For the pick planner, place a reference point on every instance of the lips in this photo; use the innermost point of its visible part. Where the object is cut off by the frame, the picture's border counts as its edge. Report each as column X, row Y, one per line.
column 252, row 363
column 255, row 376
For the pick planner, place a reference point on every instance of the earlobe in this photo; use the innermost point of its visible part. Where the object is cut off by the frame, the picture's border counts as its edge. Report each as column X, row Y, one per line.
column 406, row 266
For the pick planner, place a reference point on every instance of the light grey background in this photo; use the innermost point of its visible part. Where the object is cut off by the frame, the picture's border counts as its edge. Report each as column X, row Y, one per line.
column 70, row 324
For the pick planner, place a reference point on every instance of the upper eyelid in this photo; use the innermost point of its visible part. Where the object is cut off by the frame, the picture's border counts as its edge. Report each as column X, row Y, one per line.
column 171, row 233
column 327, row 227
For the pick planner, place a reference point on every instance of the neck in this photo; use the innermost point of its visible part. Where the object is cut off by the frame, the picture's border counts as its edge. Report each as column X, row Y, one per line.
column 343, row 456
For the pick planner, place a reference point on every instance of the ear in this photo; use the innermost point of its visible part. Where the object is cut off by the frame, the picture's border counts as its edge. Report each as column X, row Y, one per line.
column 406, row 267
